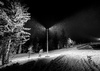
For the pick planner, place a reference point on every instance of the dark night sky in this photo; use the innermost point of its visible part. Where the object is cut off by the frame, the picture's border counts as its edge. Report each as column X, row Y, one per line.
column 81, row 20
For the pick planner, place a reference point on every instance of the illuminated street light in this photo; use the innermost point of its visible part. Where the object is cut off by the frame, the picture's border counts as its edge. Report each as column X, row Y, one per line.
column 47, row 34
column 47, row 30
column 98, row 39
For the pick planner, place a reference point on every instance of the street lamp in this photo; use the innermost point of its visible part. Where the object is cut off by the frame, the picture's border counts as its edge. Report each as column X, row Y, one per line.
column 47, row 32
column 47, row 35
column 47, row 41
column 38, row 27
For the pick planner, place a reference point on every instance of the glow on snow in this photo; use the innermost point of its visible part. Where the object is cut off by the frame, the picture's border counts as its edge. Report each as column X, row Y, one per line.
column 72, row 53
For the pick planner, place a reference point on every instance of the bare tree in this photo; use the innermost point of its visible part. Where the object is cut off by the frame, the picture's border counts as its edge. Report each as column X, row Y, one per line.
column 12, row 30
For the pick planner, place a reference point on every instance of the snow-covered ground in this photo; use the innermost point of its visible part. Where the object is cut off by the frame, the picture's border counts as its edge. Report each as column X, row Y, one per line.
column 71, row 52
column 21, row 58
column 54, row 53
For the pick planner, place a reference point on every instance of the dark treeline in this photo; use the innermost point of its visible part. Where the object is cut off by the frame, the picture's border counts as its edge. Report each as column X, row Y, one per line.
column 55, row 41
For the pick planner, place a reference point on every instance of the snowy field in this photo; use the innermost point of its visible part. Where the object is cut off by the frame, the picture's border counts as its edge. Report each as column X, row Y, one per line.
column 72, row 57
column 72, row 52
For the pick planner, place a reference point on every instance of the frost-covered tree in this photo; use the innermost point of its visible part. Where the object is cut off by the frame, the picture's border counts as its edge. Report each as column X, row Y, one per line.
column 12, row 30
column 70, row 42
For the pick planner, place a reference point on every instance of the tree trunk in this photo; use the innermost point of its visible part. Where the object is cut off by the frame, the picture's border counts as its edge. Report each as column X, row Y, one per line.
column 20, row 49
column 3, row 59
column 3, row 54
column 7, row 53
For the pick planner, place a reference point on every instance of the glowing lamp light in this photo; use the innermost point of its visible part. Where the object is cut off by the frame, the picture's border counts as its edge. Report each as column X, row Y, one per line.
column 51, row 29
column 43, row 28
column 98, row 39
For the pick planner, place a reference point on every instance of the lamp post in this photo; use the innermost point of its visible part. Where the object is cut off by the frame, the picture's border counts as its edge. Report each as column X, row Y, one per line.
column 47, row 37
column 47, row 40
column 52, row 29
column 47, row 33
